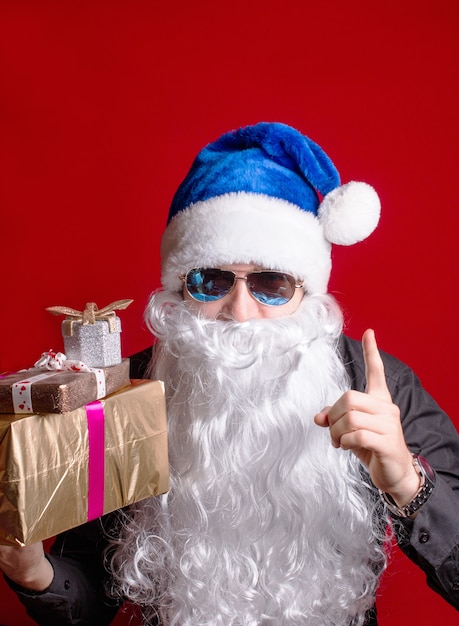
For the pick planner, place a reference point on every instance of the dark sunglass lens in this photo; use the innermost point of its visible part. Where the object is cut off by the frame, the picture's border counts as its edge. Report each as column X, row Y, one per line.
column 272, row 288
column 206, row 285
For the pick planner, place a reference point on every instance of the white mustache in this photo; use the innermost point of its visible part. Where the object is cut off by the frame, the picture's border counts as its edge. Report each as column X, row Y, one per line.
column 240, row 345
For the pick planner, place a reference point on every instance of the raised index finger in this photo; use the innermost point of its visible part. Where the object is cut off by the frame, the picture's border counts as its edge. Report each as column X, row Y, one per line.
column 374, row 367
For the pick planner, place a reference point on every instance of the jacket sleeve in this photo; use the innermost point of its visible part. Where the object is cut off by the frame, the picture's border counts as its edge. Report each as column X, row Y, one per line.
column 77, row 594
column 431, row 540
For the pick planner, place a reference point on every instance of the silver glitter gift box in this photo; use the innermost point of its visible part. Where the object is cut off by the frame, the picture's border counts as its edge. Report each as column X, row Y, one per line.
column 94, row 344
column 92, row 336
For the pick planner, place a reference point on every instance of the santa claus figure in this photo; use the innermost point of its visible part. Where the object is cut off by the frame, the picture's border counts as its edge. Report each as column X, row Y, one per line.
column 265, row 522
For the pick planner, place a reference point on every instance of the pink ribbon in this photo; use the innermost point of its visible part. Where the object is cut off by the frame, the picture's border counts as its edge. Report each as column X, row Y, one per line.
column 96, row 461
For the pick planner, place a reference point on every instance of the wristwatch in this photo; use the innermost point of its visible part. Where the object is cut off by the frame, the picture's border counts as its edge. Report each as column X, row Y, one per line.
column 427, row 477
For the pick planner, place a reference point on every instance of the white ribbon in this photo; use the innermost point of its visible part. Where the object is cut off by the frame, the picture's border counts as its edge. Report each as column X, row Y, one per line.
column 57, row 361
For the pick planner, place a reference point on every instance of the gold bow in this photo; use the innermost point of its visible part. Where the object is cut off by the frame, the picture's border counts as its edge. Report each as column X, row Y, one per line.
column 90, row 315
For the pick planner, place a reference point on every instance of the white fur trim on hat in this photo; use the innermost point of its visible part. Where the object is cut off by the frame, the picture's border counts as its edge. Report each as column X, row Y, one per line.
column 246, row 228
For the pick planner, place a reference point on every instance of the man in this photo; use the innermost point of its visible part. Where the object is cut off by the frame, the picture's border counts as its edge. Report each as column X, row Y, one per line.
column 288, row 443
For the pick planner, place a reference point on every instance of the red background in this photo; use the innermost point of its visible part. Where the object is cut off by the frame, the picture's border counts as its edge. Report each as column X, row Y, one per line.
column 104, row 105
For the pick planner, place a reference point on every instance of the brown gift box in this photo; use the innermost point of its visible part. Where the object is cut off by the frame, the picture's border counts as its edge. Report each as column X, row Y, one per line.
column 57, row 471
column 61, row 391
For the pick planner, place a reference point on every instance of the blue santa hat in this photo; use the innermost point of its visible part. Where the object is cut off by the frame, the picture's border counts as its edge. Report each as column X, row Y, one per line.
column 267, row 195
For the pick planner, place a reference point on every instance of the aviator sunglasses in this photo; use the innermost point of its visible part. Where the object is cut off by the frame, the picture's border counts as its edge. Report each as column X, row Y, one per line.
column 266, row 286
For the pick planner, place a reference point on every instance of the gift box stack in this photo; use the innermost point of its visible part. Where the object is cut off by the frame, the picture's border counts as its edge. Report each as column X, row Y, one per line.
column 78, row 438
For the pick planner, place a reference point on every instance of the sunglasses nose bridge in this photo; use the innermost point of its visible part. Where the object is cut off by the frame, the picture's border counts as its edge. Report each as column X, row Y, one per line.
column 240, row 303
column 235, row 279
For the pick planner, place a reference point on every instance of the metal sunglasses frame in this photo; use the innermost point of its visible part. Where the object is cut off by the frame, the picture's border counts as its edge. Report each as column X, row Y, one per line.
column 296, row 284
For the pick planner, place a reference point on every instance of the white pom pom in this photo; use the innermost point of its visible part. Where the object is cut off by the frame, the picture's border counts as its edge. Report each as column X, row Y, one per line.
column 349, row 213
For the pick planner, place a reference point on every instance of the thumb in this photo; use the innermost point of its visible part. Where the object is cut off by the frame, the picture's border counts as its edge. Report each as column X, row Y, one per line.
column 374, row 368
column 321, row 419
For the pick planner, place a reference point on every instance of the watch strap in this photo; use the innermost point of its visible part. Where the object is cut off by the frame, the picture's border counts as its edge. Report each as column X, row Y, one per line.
column 427, row 478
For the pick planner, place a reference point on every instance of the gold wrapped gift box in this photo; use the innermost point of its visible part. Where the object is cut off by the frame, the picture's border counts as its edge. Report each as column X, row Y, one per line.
column 57, row 471
column 63, row 390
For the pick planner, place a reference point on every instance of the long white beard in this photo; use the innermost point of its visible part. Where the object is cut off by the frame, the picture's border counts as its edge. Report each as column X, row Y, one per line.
column 265, row 522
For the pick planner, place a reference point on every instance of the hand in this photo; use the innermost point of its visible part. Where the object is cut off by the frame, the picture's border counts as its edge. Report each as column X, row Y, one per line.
column 27, row 566
column 369, row 424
